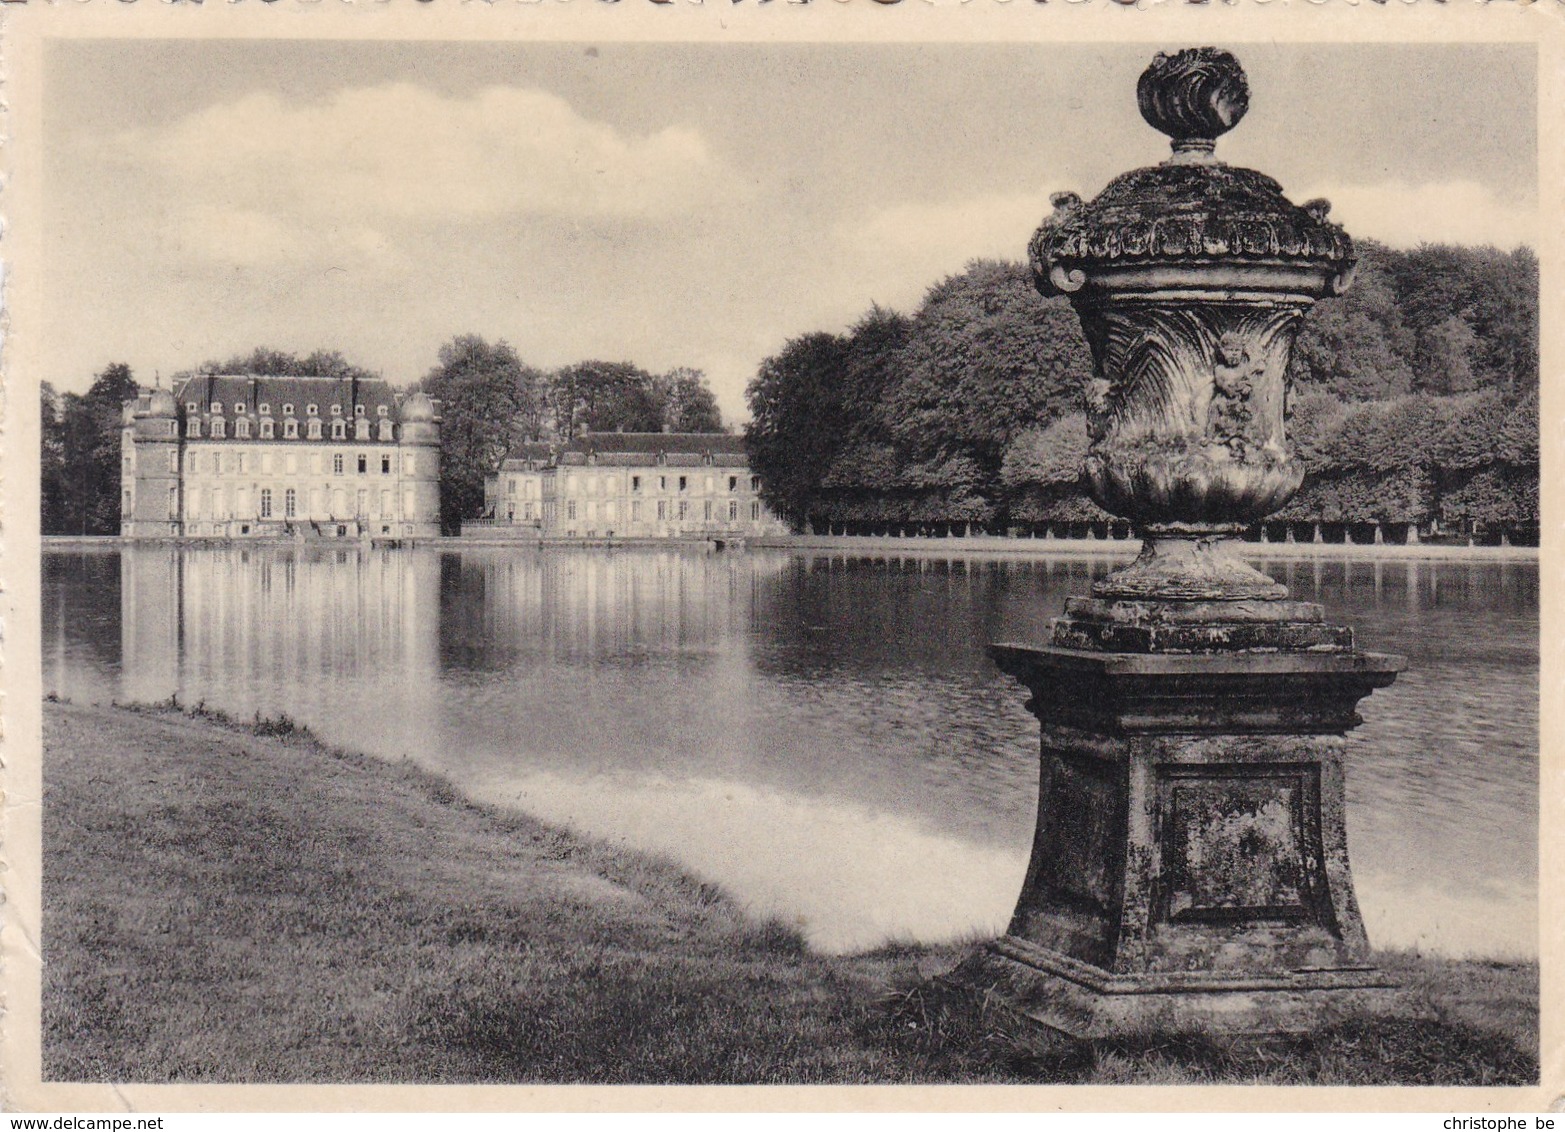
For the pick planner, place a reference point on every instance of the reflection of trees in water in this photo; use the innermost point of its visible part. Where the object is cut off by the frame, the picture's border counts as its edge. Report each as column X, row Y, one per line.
column 80, row 606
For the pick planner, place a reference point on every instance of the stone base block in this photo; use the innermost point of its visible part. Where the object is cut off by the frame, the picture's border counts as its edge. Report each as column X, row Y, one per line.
column 1064, row 997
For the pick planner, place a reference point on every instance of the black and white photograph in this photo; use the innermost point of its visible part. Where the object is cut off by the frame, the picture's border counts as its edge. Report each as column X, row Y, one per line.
column 582, row 553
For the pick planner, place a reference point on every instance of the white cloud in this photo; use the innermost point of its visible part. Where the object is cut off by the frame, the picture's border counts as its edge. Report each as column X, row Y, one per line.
column 1446, row 212
column 261, row 179
column 895, row 253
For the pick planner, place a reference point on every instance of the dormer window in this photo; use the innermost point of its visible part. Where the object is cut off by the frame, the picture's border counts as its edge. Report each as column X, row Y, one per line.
column 217, row 406
column 291, row 429
column 192, row 427
column 338, row 430
column 266, row 409
column 358, row 410
column 311, row 410
column 380, row 410
column 266, row 429
column 242, row 428
column 336, row 410
column 217, row 429
column 239, row 406
column 361, row 429
column 315, row 428
column 191, row 406
column 385, row 430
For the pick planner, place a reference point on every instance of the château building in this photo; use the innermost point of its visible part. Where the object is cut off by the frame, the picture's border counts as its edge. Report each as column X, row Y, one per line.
column 629, row 485
column 244, row 456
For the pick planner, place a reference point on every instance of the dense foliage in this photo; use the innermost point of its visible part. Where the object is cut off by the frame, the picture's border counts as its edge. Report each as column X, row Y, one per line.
column 79, row 469
column 1416, row 402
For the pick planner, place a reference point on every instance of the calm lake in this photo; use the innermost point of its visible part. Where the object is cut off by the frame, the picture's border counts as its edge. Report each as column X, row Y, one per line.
column 823, row 735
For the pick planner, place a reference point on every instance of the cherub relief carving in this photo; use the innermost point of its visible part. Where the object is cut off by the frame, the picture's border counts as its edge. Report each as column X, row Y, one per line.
column 1234, row 374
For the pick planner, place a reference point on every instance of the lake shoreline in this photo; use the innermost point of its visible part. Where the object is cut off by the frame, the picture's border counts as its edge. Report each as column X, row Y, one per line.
column 868, row 545
column 229, row 901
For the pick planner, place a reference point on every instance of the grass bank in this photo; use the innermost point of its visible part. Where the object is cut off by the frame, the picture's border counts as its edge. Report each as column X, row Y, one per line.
column 240, row 903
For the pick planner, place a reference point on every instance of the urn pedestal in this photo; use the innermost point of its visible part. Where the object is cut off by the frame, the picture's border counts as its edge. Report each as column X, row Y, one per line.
column 1189, row 871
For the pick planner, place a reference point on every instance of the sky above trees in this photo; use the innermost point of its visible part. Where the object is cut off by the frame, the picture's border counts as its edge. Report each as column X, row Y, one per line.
column 668, row 205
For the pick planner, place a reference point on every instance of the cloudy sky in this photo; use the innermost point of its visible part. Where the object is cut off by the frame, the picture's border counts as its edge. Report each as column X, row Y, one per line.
column 666, row 204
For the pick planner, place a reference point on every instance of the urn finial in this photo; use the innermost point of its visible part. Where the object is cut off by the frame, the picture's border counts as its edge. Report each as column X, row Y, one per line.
column 1194, row 96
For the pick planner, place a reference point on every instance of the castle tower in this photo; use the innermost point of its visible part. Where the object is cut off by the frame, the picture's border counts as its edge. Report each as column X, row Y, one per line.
column 150, row 475
column 419, row 441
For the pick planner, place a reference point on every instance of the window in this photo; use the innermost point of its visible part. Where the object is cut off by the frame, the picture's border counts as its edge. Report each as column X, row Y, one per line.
column 635, row 483
column 635, row 510
column 315, row 429
column 217, row 428
column 336, row 464
column 363, row 464
column 380, row 410
column 239, row 406
column 240, row 460
column 192, row 427
column 173, row 428
column 309, row 410
column 190, row 406
column 290, row 503
column 242, row 428
column 361, row 430
column 288, row 409
column 266, row 462
column 662, row 509
column 385, row 466
column 266, row 429
column 336, row 410
column 510, row 487
column 291, row 464
column 733, row 510
column 291, row 429
column 570, row 509
column 683, row 483
column 217, row 406
column 358, row 410
column 266, row 408
column 755, row 483
column 708, row 486
column 385, row 504
column 339, row 430
column 407, row 463
column 707, row 507
column 733, row 483
column 363, row 500
column 755, row 510
column 662, row 483
column 266, row 503
column 173, row 460
column 385, row 429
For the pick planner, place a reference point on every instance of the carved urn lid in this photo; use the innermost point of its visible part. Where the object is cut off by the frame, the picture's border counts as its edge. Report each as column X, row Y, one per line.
column 1192, row 209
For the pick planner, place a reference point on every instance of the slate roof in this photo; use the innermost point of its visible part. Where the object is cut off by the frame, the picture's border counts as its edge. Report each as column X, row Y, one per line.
column 636, row 449
column 252, row 391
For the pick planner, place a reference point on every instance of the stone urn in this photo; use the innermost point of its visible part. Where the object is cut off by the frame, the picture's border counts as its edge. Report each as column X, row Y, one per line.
column 1190, row 279
column 1190, row 867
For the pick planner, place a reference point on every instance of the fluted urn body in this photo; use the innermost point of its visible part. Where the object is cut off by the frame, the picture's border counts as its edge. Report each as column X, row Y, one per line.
column 1190, row 279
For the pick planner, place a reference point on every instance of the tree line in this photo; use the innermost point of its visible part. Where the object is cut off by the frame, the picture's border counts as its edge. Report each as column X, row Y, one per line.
column 1416, row 392
column 490, row 401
